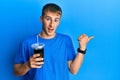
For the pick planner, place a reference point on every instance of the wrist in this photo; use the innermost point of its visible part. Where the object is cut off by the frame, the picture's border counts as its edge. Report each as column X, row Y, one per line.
column 82, row 48
column 27, row 64
column 82, row 51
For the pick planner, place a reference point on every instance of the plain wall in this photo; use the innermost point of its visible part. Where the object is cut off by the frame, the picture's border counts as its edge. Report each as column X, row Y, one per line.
column 101, row 18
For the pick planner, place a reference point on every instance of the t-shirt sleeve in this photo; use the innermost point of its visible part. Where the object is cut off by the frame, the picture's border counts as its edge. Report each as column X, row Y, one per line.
column 20, row 57
column 70, row 49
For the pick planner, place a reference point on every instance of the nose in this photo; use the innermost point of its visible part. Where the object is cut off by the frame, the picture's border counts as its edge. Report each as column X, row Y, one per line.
column 51, row 23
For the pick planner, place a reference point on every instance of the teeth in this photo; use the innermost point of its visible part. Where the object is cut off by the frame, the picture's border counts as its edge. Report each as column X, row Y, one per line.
column 50, row 30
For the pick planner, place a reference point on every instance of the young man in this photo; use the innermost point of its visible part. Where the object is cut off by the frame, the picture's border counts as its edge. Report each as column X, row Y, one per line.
column 59, row 54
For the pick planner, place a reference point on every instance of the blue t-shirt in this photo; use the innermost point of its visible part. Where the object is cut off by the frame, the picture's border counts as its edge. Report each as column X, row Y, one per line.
column 57, row 52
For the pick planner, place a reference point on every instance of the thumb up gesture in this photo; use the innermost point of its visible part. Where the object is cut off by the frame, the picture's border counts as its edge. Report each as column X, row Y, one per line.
column 83, row 40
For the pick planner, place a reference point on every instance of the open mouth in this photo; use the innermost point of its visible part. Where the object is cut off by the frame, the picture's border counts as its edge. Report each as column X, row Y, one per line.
column 50, row 30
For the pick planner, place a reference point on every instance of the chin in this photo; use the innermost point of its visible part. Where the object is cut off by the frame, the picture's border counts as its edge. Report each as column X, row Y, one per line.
column 51, row 34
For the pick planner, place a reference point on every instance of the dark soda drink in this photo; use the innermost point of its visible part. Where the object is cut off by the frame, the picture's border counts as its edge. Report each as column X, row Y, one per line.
column 38, row 48
column 40, row 51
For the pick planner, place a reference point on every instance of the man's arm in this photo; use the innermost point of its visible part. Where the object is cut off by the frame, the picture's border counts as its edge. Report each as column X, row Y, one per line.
column 21, row 69
column 76, row 63
column 34, row 62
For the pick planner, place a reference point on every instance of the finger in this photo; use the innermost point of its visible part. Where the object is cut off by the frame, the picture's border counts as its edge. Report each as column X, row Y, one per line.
column 39, row 63
column 39, row 59
column 32, row 64
column 91, row 37
column 36, row 66
column 39, row 66
column 36, row 55
column 81, row 36
column 84, row 34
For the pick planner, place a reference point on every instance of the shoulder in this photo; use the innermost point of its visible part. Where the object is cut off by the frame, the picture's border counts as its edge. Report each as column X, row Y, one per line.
column 64, row 36
column 29, row 39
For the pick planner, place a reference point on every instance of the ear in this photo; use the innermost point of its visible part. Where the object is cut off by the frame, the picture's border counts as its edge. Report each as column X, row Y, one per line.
column 41, row 19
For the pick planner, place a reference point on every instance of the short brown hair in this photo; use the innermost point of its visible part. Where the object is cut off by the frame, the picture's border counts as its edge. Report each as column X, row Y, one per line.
column 52, row 8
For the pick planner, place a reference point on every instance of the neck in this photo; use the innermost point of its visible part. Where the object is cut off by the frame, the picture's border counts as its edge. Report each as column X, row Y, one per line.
column 46, row 36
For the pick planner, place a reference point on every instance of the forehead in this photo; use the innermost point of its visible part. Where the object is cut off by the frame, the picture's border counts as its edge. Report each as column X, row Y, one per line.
column 52, row 14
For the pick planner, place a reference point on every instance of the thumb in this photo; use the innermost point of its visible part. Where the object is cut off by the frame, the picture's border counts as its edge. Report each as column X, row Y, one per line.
column 91, row 37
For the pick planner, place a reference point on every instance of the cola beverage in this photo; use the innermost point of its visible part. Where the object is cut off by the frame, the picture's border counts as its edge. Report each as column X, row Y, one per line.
column 38, row 48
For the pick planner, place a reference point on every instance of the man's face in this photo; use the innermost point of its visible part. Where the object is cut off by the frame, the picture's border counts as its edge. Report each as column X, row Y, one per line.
column 50, row 21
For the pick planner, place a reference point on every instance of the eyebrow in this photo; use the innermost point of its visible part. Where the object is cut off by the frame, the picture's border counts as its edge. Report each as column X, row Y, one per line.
column 50, row 17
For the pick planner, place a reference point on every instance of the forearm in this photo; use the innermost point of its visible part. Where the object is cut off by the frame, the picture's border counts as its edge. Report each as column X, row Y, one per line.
column 21, row 69
column 76, row 63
